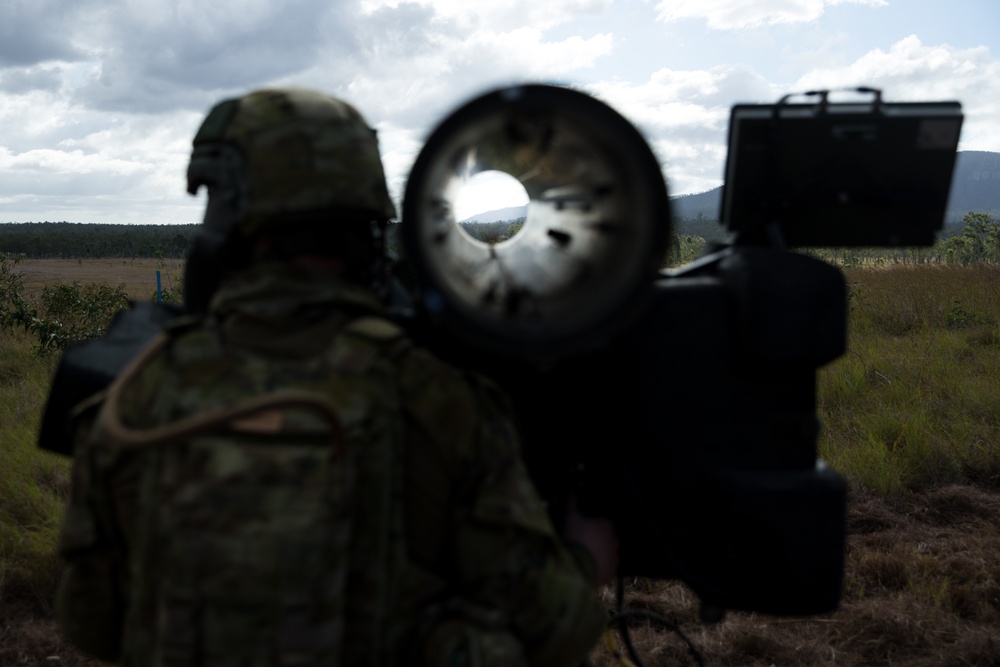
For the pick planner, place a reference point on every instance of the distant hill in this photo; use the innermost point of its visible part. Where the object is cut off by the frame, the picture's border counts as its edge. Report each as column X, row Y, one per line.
column 704, row 205
column 975, row 187
column 701, row 205
column 700, row 211
column 499, row 215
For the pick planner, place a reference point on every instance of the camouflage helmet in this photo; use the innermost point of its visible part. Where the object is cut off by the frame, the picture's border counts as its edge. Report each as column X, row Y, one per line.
column 287, row 152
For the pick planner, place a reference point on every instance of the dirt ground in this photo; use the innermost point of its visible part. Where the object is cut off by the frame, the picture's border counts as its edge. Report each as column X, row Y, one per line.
column 922, row 589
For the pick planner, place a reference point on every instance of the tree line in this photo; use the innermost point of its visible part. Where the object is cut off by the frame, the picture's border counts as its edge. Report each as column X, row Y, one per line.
column 69, row 240
column 67, row 313
column 975, row 240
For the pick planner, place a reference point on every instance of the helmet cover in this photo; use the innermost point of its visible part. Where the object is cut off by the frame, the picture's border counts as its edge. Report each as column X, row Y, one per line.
column 304, row 152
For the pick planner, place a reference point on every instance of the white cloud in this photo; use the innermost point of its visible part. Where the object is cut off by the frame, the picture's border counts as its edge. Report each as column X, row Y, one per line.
column 36, row 31
column 684, row 116
column 159, row 66
column 419, row 93
column 70, row 162
column 910, row 71
column 416, row 68
column 27, row 79
column 737, row 14
column 424, row 70
column 99, row 99
column 500, row 15
column 157, row 55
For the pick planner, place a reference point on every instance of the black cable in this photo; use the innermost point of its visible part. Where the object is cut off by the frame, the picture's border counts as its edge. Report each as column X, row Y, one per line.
column 622, row 617
column 622, row 625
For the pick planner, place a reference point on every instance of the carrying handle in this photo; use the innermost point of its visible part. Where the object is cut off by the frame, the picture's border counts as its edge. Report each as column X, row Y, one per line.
column 824, row 96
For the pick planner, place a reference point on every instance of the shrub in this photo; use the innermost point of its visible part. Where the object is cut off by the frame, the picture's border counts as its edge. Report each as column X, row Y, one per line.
column 76, row 312
column 67, row 313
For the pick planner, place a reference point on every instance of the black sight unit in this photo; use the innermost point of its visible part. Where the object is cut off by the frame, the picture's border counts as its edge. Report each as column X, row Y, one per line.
column 680, row 403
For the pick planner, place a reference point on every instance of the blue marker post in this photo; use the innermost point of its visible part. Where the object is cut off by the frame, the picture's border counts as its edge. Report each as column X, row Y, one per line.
column 159, row 291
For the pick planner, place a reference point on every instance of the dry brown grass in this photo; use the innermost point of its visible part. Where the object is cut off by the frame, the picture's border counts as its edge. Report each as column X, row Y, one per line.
column 922, row 588
column 30, row 637
column 138, row 275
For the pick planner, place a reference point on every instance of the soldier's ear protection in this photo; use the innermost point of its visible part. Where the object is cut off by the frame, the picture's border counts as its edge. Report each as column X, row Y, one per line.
column 221, row 168
column 218, row 248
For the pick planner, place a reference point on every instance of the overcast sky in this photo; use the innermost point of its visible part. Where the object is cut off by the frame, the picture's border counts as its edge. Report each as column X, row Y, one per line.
column 99, row 99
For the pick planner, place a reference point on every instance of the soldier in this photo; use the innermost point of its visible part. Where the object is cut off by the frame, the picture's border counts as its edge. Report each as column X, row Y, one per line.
column 285, row 478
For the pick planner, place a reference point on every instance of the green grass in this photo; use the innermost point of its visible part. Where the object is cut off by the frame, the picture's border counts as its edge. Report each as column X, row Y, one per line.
column 33, row 483
column 914, row 404
column 916, row 400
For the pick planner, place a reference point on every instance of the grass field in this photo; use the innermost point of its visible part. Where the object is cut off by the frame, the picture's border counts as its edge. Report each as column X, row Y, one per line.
column 910, row 415
column 916, row 401
column 33, row 486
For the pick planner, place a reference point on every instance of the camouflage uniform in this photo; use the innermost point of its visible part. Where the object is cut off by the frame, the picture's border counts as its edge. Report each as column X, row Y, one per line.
column 376, row 510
